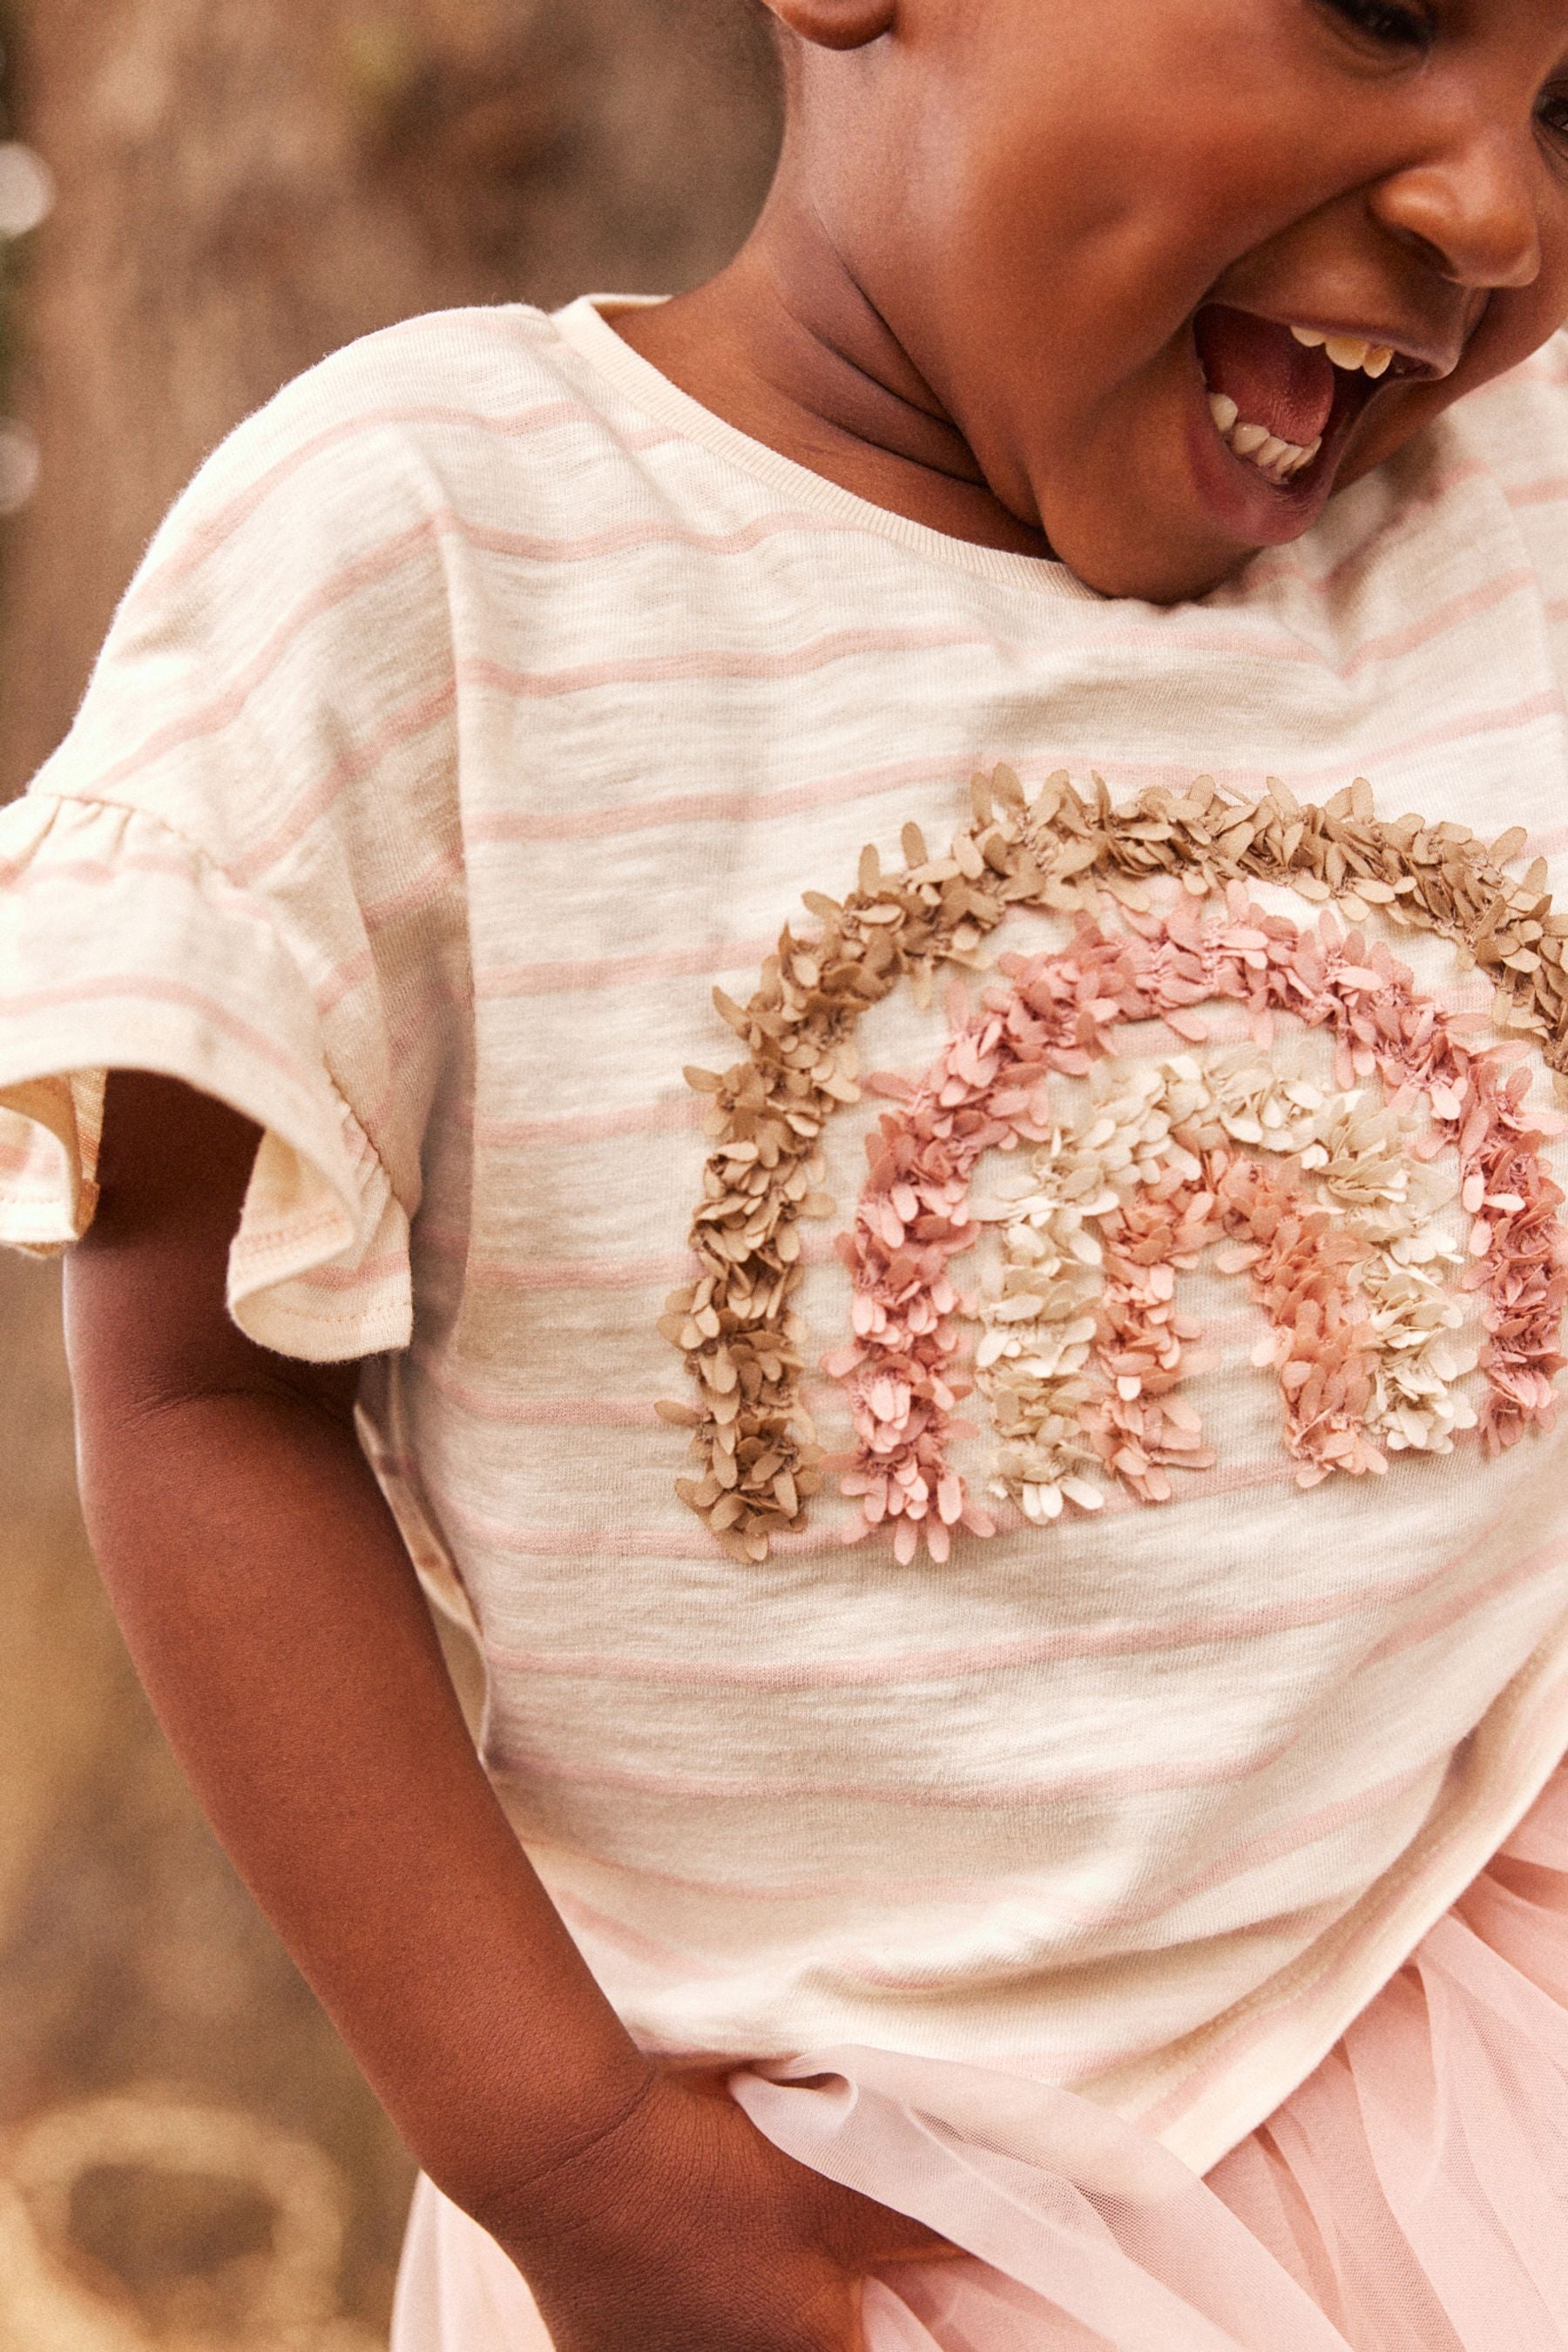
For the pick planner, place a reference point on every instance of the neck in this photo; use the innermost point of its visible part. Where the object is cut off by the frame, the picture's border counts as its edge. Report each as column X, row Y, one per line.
column 785, row 345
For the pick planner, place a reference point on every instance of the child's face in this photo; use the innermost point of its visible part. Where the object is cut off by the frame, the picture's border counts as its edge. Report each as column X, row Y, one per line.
column 1058, row 206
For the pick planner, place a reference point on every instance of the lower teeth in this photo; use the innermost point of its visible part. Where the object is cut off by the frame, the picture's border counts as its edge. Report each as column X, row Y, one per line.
column 1279, row 461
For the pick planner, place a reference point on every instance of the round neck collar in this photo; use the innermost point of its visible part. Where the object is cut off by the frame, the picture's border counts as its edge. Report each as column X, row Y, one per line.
column 585, row 325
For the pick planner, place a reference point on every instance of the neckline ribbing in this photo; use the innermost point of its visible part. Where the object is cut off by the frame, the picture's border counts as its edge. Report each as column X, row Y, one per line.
column 585, row 326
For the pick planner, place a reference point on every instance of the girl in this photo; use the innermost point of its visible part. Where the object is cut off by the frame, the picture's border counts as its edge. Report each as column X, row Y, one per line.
column 1121, row 1900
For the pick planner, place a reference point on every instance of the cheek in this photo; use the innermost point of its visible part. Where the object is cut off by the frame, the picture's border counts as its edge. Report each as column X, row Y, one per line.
column 1111, row 258
column 1127, row 242
column 1547, row 302
column 1517, row 323
column 1519, row 320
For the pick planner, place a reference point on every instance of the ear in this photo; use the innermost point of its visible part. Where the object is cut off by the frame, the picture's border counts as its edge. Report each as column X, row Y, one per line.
column 835, row 24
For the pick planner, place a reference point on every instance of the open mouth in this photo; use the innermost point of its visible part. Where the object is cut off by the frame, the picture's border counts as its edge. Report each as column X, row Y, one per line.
column 1284, row 399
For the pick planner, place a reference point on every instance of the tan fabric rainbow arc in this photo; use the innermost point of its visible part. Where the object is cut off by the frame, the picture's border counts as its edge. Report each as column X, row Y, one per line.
column 483, row 704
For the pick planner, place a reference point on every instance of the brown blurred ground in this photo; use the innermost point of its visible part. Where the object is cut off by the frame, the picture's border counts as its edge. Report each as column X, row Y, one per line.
column 244, row 184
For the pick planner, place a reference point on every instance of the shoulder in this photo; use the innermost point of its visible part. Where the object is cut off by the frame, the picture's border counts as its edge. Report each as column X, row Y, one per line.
column 383, row 526
column 422, row 383
column 377, row 473
column 1517, row 426
column 404, row 423
column 294, row 612
column 1506, row 461
column 311, row 555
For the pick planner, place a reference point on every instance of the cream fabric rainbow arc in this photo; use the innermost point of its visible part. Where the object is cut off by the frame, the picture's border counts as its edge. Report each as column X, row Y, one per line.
column 483, row 705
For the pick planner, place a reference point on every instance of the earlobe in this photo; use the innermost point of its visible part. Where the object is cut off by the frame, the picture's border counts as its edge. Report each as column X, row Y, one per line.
column 836, row 24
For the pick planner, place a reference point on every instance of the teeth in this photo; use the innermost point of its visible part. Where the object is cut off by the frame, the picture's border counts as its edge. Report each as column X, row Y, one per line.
column 1348, row 351
column 1280, row 460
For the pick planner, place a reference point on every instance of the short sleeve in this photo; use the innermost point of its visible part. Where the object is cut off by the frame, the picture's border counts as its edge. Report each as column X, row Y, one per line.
column 242, row 868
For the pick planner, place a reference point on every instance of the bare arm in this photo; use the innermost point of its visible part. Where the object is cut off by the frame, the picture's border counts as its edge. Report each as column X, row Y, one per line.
column 275, row 1618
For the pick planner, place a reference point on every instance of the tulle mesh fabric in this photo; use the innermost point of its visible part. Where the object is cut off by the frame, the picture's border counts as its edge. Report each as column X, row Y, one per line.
column 1412, row 2196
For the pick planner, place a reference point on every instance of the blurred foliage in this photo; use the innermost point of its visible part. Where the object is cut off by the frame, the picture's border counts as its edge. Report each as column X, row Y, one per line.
column 11, row 263
column 240, row 186
column 244, row 184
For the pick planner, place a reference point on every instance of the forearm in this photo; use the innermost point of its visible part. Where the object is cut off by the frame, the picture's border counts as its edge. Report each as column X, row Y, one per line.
column 275, row 1621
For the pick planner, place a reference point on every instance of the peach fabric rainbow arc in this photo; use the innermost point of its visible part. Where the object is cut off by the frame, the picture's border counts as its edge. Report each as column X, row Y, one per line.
column 1333, row 1202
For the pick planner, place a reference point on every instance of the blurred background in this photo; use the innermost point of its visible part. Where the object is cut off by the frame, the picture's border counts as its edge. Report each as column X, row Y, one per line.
column 198, row 198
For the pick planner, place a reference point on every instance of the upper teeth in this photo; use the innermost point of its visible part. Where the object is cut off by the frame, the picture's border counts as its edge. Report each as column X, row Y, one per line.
column 1348, row 351
column 1254, row 442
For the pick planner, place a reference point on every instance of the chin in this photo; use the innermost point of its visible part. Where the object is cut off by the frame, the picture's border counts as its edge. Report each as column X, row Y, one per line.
column 1154, row 576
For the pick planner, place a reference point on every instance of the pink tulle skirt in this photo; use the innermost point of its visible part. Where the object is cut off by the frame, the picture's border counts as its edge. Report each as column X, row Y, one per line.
column 1412, row 2196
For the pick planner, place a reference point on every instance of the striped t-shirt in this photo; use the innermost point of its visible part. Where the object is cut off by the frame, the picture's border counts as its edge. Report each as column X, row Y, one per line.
column 1170, row 1309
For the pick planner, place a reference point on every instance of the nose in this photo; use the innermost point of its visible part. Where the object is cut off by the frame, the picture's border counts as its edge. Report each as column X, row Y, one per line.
column 1472, row 209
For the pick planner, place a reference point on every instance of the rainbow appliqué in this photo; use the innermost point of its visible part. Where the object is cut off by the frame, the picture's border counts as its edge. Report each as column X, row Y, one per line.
column 1372, row 1219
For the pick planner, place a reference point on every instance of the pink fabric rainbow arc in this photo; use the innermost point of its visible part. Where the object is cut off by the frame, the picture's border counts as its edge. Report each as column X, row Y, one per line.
column 1084, row 1353
column 1410, row 2195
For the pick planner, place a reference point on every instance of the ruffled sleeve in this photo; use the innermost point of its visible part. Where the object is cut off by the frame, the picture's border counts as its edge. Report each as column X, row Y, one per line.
column 122, row 946
column 242, row 868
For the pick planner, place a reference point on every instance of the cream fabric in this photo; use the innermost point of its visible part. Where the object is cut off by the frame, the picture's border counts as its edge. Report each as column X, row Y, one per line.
column 1407, row 2196
column 482, row 705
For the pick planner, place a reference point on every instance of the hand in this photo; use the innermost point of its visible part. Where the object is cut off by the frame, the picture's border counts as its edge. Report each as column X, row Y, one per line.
column 686, row 2230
